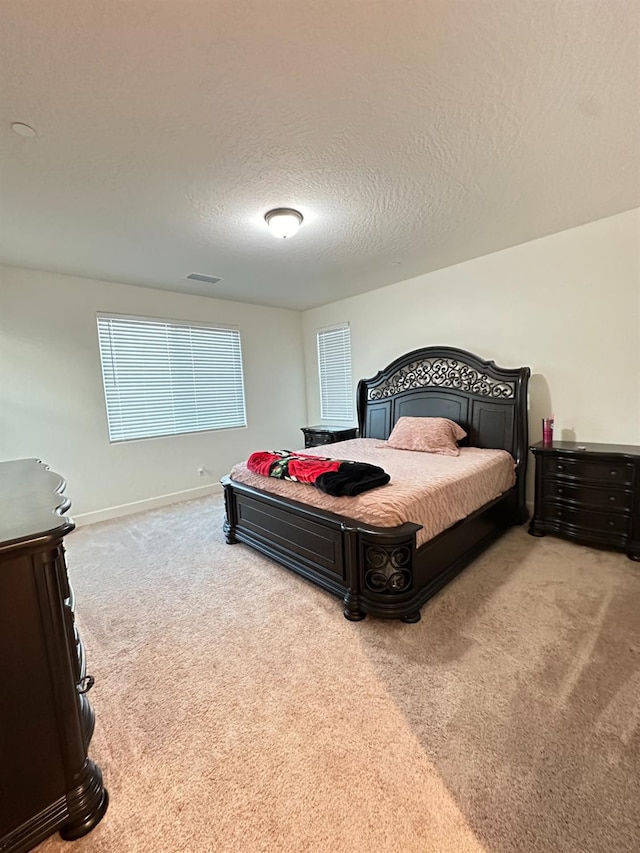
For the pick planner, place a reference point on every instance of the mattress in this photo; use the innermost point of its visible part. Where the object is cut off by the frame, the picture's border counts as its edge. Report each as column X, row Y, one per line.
column 425, row 488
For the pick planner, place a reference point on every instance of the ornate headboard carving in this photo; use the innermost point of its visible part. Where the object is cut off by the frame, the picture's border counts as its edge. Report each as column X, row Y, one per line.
column 438, row 372
column 488, row 401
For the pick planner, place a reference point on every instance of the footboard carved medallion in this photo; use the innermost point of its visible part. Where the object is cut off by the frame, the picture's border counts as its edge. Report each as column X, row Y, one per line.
column 388, row 569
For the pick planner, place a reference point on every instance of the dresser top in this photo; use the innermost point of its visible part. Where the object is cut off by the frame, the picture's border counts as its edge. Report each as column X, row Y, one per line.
column 31, row 502
column 586, row 447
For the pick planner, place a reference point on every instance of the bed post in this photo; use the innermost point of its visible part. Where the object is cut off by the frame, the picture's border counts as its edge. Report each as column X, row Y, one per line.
column 229, row 526
column 521, row 450
column 352, row 610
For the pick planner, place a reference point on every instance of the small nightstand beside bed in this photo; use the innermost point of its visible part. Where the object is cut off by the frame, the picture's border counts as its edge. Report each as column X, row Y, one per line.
column 387, row 551
column 589, row 493
column 314, row 436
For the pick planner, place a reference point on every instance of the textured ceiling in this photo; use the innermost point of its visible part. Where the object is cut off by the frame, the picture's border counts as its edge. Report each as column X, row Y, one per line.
column 424, row 132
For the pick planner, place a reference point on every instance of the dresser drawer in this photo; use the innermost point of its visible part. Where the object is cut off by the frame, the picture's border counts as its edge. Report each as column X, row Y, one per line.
column 82, row 657
column 87, row 719
column 588, row 520
column 591, row 470
column 585, row 495
column 61, row 567
column 72, row 639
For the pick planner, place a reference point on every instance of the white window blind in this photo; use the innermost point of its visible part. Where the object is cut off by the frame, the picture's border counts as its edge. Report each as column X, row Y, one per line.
column 334, row 368
column 166, row 378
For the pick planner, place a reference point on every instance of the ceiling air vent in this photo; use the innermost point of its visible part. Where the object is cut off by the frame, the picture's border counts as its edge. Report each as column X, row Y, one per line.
column 210, row 279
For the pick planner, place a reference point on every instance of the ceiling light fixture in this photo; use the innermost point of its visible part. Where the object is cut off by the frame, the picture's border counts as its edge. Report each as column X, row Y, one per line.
column 283, row 221
column 23, row 129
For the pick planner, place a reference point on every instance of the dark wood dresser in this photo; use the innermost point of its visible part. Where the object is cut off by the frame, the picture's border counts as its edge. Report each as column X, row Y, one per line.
column 314, row 436
column 590, row 493
column 47, row 782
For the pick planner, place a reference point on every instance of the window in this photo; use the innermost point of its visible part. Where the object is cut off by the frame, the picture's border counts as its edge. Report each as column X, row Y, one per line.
column 334, row 368
column 165, row 378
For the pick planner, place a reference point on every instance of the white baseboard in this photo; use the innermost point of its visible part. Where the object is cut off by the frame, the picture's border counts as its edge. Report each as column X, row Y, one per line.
column 85, row 518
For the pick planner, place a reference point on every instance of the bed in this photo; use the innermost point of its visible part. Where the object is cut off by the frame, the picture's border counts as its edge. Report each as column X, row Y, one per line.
column 380, row 570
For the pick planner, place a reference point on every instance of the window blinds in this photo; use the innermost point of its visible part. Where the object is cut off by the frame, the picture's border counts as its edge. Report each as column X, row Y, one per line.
column 334, row 367
column 166, row 378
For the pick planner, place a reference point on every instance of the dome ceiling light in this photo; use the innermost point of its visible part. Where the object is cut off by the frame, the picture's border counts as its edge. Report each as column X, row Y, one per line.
column 283, row 221
column 23, row 129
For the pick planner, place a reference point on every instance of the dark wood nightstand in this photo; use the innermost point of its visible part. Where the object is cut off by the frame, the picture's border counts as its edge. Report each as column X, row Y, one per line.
column 590, row 493
column 324, row 434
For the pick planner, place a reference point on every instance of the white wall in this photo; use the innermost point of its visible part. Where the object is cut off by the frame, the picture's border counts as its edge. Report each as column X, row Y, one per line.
column 567, row 305
column 52, row 404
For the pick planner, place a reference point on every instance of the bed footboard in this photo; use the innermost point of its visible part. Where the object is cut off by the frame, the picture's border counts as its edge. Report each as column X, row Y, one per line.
column 370, row 568
column 375, row 570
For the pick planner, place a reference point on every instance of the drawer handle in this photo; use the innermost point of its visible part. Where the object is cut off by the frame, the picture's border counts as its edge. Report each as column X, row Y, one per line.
column 86, row 684
column 560, row 491
column 613, row 473
column 612, row 524
column 560, row 467
column 559, row 513
column 612, row 499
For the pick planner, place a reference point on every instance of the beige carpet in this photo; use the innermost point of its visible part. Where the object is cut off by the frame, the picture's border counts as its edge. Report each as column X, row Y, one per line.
column 238, row 711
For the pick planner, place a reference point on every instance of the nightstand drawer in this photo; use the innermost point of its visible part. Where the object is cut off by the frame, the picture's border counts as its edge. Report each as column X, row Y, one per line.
column 612, row 499
column 589, row 470
column 322, row 438
column 588, row 520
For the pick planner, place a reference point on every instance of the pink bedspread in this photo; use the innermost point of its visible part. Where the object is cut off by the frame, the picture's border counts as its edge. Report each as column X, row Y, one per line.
column 428, row 489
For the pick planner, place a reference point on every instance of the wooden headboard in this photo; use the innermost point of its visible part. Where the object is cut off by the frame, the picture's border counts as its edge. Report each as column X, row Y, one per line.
column 488, row 401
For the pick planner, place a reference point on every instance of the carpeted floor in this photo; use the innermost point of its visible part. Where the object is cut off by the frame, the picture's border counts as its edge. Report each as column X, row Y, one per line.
column 240, row 722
